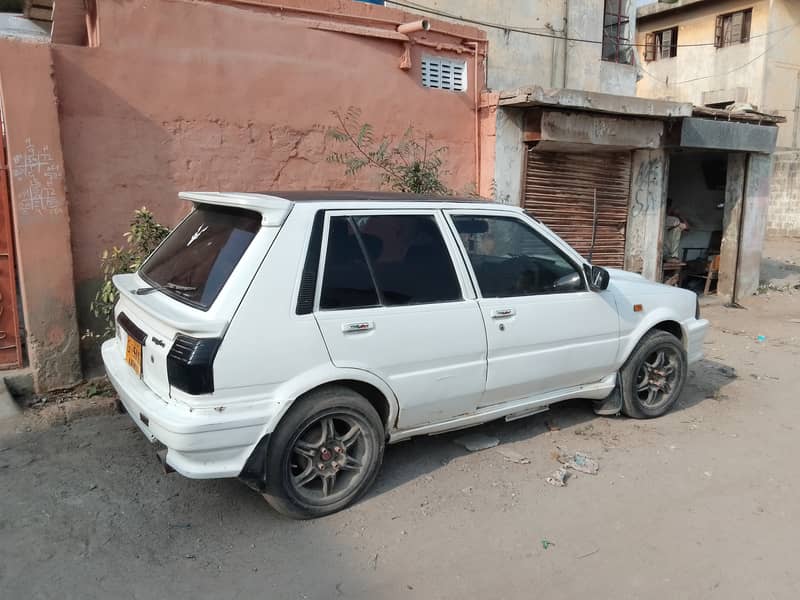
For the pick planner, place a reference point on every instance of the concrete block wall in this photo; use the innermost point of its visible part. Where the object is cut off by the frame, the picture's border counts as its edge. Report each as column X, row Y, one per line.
column 783, row 217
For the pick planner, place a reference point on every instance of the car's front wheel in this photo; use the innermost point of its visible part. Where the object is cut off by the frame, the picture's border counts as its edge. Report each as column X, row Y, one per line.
column 652, row 379
column 325, row 453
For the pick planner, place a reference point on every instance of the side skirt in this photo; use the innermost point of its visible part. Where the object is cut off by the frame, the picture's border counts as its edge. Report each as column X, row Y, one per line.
column 595, row 391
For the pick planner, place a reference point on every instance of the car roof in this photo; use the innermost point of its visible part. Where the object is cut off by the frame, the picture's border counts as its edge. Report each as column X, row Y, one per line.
column 275, row 206
column 368, row 196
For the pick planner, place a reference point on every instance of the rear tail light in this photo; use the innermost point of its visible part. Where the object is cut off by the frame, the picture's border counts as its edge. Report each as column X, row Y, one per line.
column 190, row 364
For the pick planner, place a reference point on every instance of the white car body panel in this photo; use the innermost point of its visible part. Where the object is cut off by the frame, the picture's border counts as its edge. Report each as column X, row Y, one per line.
column 432, row 355
column 550, row 342
column 439, row 366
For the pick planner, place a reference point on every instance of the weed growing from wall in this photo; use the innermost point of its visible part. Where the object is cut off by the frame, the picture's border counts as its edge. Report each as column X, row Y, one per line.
column 409, row 164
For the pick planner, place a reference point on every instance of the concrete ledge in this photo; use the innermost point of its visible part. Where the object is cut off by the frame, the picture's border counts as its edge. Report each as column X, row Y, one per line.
column 593, row 101
column 19, row 382
column 52, row 415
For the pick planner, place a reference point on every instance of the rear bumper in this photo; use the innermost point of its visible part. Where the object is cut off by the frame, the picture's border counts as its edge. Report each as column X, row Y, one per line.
column 696, row 330
column 201, row 444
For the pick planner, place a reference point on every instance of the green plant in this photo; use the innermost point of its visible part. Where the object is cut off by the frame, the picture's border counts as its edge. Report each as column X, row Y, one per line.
column 409, row 164
column 144, row 235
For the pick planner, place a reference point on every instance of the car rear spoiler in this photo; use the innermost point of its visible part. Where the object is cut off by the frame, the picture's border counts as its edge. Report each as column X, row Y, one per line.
column 273, row 209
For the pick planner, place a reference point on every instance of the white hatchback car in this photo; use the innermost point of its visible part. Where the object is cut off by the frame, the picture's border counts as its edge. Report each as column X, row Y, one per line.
column 285, row 339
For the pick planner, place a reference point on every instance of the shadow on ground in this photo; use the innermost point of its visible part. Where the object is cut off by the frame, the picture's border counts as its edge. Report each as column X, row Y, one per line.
column 421, row 456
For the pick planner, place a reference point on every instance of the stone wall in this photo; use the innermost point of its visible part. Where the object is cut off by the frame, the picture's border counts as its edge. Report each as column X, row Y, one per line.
column 784, row 195
column 40, row 213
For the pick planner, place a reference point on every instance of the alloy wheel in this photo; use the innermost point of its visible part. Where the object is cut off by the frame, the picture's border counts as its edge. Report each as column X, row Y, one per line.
column 329, row 458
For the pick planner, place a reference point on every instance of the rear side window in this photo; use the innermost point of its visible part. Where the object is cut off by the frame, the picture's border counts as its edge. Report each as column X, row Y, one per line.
column 195, row 261
column 403, row 257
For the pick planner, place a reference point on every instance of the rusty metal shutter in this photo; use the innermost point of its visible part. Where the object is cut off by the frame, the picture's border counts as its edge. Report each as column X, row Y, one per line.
column 559, row 191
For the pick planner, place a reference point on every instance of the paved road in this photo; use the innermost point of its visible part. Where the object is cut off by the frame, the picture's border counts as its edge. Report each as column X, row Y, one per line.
column 702, row 503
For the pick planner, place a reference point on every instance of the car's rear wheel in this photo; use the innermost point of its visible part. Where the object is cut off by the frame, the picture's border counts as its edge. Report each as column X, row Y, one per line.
column 325, row 453
column 653, row 377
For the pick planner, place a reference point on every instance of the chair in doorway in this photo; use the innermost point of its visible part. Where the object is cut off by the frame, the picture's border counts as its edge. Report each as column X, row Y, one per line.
column 705, row 268
column 711, row 274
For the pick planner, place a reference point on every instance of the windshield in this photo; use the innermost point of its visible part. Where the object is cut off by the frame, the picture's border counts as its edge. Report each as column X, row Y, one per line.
column 195, row 261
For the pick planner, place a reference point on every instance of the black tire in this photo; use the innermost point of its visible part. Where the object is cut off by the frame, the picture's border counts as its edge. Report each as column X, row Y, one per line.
column 303, row 441
column 641, row 377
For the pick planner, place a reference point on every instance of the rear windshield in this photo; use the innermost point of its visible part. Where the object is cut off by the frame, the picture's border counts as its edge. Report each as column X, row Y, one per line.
column 197, row 258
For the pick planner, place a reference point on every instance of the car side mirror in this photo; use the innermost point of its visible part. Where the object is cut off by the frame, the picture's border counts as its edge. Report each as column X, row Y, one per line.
column 598, row 277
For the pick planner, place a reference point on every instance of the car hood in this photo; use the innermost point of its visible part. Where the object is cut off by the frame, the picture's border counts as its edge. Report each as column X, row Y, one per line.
column 620, row 275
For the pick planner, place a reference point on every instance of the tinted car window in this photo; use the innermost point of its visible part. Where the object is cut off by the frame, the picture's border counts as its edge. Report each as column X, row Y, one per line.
column 409, row 259
column 197, row 258
column 346, row 282
column 512, row 259
column 392, row 260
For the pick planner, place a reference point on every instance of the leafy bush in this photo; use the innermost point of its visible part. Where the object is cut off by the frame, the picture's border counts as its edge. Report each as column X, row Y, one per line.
column 409, row 164
column 144, row 235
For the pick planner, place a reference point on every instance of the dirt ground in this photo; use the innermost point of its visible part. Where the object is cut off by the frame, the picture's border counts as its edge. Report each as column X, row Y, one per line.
column 701, row 503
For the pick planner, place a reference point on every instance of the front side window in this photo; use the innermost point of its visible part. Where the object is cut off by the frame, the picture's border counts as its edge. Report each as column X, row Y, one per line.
column 388, row 260
column 197, row 258
column 510, row 258
column 733, row 28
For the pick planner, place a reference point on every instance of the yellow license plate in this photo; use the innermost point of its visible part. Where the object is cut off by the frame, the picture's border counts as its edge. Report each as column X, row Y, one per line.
column 133, row 355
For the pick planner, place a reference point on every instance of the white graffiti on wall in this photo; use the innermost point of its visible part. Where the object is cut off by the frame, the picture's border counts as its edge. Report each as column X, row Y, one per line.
column 38, row 179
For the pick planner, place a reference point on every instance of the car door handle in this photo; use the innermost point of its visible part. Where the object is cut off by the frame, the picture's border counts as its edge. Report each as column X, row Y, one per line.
column 503, row 313
column 356, row 327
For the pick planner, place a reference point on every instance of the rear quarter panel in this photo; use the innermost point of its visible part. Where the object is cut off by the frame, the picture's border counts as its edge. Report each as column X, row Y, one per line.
column 267, row 343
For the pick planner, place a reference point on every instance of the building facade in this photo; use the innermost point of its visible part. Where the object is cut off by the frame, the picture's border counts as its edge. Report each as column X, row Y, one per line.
column 722, row 53
column 573, row 44
column 128, row 103
column 124, row 104
column 570, row 141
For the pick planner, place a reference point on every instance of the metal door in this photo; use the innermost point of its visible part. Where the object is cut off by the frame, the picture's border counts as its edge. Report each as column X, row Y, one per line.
column 559, row 191
column 10, row 343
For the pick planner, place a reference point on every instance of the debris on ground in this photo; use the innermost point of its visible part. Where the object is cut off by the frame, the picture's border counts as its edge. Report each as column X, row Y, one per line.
column 551, row 426
column 595, row 551
column 547, row 543
column 513, row 456
column 719, row 396
column 558, row 477
column 579, row 461
column 476, row 441
column 728, row 372
column 585, row 430
column 761, row 339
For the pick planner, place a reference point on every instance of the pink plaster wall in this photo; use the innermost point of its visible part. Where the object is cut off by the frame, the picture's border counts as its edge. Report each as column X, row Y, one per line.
column 39, row 212
column 205, row 96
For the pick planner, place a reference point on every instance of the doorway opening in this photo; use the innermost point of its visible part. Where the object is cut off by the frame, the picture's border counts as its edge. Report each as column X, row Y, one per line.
column 694, row 220
column 11, row 343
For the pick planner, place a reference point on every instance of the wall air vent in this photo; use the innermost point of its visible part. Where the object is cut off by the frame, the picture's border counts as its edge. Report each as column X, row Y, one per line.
column 444, row 74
